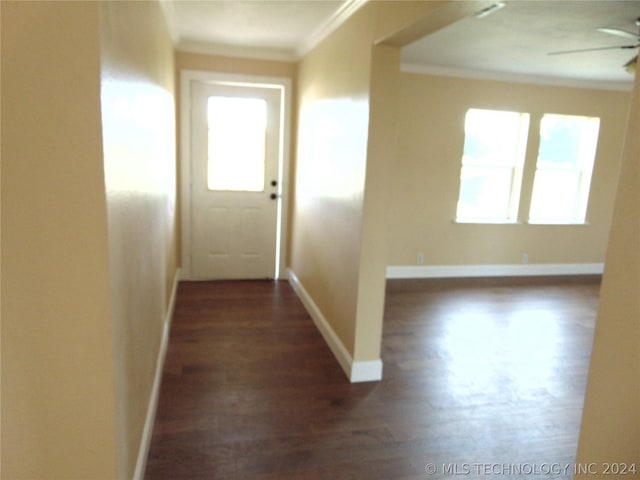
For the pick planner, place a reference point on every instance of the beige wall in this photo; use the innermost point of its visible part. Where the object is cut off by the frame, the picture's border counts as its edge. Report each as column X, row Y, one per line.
column 333, row 115
column 611, row 418
column 89, row 238
column 241, row 66
column 58, row 407
column 336, row 244
column 385, row 80
column 425, row 177
column 138, row 115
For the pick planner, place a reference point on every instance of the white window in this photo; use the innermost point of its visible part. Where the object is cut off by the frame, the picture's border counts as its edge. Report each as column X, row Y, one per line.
column 491, row 174
column 563, row 169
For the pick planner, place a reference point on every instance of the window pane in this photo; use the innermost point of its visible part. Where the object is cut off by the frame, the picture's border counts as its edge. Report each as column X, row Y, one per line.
column 491, row 173
column 563, row 169
column 567, row 141
column 560, row 201
column 493, row 137
column 237, row 136
column 484, row 194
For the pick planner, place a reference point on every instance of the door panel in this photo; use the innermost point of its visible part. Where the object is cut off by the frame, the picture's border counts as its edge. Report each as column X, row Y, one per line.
column 233, row 214
column 217, row 231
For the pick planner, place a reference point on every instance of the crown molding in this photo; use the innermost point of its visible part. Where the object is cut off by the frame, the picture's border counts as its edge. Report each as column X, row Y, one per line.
column 514, row 78
column 169, row 13
column 347, row 9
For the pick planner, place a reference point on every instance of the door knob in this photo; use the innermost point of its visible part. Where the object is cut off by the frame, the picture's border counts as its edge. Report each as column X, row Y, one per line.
column 273, row 183
column 273, row 196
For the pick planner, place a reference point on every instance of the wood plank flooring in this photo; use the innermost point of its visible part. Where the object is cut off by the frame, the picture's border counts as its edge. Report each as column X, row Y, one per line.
column 475, row 372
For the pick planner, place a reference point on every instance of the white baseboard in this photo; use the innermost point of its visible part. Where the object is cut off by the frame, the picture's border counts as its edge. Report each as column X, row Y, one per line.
column 145, row 442
column 366, row 371
column 335, row 344
column 506, row 270
column 183, row 275
column 356, row 371
column 283, row 274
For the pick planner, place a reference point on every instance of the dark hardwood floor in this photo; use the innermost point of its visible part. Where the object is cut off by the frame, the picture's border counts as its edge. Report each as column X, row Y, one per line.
column 483, row 377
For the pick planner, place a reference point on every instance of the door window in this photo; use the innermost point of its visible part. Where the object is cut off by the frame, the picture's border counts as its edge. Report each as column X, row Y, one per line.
column 236, row 143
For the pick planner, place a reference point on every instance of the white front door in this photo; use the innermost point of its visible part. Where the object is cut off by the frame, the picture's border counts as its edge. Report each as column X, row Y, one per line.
column 235, row 180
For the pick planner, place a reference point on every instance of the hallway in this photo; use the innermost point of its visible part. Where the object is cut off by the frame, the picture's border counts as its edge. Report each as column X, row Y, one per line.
column 474, row 372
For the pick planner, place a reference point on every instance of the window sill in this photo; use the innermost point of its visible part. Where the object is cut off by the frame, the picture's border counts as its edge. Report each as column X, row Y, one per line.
column 484, row 222
column 559, row 224
column 540, row 223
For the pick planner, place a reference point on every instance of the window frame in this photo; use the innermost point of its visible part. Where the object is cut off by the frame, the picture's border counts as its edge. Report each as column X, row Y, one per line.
column 515, row 168
column 582, row 169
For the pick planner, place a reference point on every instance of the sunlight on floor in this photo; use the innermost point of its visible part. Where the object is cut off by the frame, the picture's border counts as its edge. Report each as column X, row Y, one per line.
column 488, row 354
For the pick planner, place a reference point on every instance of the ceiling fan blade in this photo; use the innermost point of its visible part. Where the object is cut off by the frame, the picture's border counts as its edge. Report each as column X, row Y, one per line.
column 580, row 50
column 619, row 33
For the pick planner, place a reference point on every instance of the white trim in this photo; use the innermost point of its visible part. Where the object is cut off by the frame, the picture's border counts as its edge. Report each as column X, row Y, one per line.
column 329, row 335
column 169, row 13
column 284, row 274
column 506, row 270
column 186, row 77
column 145, row 441
column 370, row 371
column 515, row 78
column 367, row 371
column 183, row 276
column 345, row 11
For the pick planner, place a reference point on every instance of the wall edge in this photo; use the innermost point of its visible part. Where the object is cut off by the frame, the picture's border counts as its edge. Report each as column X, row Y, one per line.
column 145, row 441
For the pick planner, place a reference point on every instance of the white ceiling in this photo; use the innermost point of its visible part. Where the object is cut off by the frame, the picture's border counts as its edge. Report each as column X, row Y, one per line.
column 276, row 29
column 512, row 43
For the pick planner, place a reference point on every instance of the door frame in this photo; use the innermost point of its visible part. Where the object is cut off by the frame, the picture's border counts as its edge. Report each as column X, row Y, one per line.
column 284, row 84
